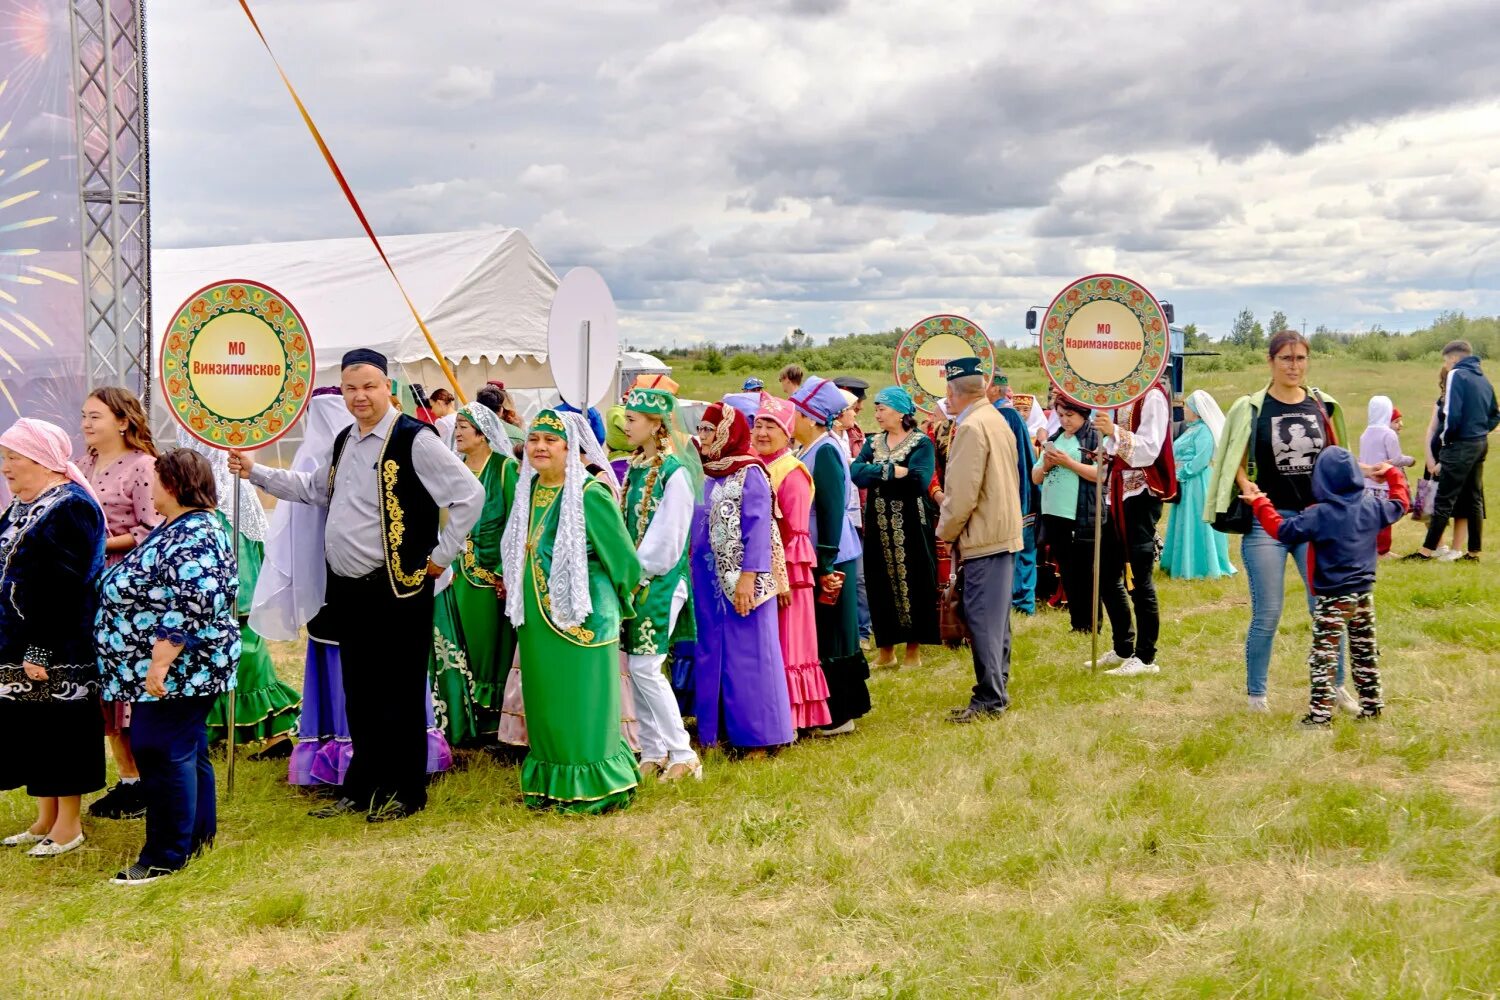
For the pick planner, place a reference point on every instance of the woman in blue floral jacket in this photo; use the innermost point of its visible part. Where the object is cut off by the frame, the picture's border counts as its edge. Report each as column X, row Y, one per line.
column 168, row 641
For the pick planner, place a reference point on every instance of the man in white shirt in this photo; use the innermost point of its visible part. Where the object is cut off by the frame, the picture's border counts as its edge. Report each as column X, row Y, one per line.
column 1138, row 440
column 383, row 482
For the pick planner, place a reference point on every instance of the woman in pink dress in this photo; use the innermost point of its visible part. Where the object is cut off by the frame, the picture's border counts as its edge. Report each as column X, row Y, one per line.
column 119, row 464
column 792, row 485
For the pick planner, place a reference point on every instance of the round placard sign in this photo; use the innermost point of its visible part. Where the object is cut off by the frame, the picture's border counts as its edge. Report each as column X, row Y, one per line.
column 928, row 346
column 583, row 338
column 1104, row 341
column 237, row 365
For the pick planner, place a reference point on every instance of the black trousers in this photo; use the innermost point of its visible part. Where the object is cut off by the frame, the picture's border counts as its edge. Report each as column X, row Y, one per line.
column 1074, row 552
column 1460, row 488
column 1137, row 551
column 384, row 644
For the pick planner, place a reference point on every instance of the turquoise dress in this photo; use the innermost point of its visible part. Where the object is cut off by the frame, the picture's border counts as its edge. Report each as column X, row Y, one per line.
column 1193, row 549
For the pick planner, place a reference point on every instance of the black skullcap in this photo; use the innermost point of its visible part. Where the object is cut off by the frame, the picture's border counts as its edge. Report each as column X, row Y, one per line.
column 365, row 356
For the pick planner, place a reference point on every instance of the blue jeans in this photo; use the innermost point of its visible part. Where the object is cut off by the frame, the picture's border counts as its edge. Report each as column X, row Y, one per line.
column 1023, row 595
column 170, row 741
column 1265, row 566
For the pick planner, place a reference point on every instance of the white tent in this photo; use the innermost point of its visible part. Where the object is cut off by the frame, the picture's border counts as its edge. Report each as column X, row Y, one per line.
column 484, row 295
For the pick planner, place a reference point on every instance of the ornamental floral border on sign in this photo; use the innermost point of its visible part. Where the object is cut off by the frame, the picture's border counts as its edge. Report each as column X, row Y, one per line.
column 271, row 308
column 911, row 342
column 1154, row 355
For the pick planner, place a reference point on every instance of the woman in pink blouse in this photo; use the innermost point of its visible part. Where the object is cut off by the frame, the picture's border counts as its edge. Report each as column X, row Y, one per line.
column 119, row 464
column 792, row 485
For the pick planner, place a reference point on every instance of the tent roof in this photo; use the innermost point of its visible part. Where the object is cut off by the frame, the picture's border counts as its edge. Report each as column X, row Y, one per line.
column 485, row 295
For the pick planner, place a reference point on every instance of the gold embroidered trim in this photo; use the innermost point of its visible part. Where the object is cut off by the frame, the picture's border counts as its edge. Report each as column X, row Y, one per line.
column 395, row 527
column 473, row 570
column 542, row 500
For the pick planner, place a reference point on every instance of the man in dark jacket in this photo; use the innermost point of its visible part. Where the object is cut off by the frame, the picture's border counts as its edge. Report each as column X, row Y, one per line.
column 1471, row 415
column 1342, row 528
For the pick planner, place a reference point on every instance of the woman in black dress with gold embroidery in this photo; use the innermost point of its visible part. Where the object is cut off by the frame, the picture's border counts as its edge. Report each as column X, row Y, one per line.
column 896, row 466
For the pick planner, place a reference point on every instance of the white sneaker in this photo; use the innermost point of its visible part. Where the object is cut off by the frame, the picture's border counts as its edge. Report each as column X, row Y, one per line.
column 1449, row 555
column 1441, row 550
column 1347, row 703
column 1133, row 667
column 1109, row 659
column 23, row 839
column 1259, row 704
column 50, row 848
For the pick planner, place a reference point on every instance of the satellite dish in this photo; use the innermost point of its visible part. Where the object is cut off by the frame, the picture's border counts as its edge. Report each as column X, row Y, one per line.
column 583, row 338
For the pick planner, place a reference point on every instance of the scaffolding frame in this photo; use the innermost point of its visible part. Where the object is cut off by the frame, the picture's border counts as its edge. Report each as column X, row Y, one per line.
column 109, row 79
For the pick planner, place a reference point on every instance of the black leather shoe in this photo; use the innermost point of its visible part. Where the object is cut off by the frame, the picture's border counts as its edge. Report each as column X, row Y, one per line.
column 965, row 716
column 280, row 750
column 341, row 807
column 393, row 810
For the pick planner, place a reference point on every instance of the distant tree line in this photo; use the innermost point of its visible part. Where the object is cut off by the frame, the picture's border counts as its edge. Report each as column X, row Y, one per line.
column 1244, row 346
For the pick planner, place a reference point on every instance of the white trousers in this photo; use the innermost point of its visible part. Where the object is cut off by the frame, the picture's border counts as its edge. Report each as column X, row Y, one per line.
column 662, row 734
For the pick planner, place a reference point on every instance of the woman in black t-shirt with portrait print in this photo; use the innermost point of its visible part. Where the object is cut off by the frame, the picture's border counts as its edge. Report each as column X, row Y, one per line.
column 1289, row 424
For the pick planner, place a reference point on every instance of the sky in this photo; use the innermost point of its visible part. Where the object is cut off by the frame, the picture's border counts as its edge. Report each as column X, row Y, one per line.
column 737, row 168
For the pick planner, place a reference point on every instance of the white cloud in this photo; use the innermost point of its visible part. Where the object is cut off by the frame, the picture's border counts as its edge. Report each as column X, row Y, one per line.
column 737, row 168
column 464, row 85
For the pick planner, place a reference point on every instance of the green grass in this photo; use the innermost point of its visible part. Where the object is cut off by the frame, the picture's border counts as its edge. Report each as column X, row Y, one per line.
column 1124, row 838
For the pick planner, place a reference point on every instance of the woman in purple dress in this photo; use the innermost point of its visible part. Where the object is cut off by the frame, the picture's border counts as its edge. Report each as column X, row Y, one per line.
column 740, row 682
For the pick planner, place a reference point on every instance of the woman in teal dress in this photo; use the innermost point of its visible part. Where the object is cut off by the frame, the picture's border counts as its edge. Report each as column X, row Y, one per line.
column 570, row 572
column 472, row 643
column 1193, row 549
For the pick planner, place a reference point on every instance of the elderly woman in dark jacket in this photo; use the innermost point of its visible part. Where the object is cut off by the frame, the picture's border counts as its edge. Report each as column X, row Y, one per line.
column 51, row 552
column 168, row 641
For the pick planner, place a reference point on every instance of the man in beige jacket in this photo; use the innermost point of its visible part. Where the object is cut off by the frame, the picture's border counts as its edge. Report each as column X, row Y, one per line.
column 981, row 518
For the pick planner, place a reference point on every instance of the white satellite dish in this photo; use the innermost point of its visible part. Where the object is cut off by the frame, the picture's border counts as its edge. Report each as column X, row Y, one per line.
column 583, row 338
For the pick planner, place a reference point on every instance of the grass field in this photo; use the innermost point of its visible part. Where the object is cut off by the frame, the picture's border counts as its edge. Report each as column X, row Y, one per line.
column 1140, row 838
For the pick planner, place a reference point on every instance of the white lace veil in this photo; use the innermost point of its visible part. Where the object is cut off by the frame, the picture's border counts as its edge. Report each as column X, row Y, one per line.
column 253, row 524
column 294, row 574
column 484, row 418
column 568, row 582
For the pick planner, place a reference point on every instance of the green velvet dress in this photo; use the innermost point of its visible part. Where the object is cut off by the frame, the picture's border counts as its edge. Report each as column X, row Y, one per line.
column 264, row 706
column 570, row 678
column 473, row 643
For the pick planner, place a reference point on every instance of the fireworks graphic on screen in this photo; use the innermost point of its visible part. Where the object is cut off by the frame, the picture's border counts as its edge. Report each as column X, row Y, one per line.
column 38, row 212
column 23, row 218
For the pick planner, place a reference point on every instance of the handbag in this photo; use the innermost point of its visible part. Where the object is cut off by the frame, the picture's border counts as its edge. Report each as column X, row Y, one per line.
column 953, row 630
column 1421, row 508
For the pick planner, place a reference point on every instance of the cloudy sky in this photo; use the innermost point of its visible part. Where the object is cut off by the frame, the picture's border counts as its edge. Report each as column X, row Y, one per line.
column 736, row 168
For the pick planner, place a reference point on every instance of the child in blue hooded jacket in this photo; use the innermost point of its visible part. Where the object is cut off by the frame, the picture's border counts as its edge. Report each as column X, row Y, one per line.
column 1343, row 527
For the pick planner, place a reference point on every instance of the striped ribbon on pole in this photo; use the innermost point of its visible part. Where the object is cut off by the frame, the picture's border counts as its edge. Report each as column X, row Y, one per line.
column 359, row 213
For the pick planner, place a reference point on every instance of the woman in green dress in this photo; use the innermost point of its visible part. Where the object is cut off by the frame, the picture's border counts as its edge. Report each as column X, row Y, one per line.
column 472, row 643
column 570, row 572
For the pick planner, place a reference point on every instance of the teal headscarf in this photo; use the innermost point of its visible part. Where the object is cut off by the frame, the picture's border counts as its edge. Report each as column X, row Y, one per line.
column 897, row 399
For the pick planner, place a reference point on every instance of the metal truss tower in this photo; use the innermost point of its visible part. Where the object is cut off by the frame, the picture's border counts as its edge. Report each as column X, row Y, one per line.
column 109, row 77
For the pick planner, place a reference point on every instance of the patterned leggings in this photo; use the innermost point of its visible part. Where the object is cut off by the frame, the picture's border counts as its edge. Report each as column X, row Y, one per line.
column 1330, row 617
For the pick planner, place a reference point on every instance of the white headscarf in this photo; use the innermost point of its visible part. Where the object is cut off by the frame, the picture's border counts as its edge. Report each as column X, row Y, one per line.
column 253, row 523
column 568, row 581
column 1380, row 411
column 293, row 577
column 1201, row 403
column 484, row 418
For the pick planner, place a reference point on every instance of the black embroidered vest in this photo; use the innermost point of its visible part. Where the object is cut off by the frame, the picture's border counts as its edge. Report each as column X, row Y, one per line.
column 408, row 514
